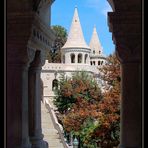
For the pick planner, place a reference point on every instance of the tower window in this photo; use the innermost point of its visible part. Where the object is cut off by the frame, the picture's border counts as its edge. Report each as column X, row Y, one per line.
column 86, row 56
column 72, row 58
column 79, row 58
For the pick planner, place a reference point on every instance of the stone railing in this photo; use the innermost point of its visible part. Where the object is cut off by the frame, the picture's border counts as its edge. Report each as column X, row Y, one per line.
column 56, row 124
column 61, row 67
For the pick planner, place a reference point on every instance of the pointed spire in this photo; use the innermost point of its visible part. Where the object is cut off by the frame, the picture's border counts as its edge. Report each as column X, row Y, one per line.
column 75, row 36
column 95, row 44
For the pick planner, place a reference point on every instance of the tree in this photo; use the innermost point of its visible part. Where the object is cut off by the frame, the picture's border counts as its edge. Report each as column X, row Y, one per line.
column 71, row 90
column 88, row 113
column 77, row 100
column 54, row 55
column 111, row 73
column 109, row 106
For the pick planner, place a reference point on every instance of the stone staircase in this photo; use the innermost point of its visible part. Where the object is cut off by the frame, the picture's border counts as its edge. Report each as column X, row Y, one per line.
column 51, row 135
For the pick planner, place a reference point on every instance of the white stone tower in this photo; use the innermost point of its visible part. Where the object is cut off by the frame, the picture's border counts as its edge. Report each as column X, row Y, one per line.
column 96, row 56
column 75, row 50
column 76, row 56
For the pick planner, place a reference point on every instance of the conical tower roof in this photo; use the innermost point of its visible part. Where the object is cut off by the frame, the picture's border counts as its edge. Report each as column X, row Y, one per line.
column 95, row 44
column 75, row 36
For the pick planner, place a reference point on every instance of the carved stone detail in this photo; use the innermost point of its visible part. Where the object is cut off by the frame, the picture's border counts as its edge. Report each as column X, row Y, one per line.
column 31, row 54
column 126, row 29
column 43, row 57
column 128, row 54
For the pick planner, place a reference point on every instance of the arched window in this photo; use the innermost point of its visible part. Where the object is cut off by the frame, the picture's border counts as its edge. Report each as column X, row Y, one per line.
column 93, row 51
column 79, row 58
column 91, row 62
column 63, row 58
column 101, row 62
column 72, row 58
column 99, row 52
column 86, row 56
column 54, row 84
column 98, row 62
column 94, row 62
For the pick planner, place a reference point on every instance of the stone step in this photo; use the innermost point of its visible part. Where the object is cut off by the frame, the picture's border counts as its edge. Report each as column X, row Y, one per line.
column 50, row 133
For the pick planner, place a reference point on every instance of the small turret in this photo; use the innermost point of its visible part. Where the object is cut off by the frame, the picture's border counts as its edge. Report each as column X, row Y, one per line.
column 95, row 45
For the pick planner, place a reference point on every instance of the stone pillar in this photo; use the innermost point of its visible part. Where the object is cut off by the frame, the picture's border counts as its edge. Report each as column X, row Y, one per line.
column 17, row 105
column 83, row 58
column 35, row 130
column 131, row 105
column 88, row 59
column 67, row 58
column 76, row 58
column 126, row 28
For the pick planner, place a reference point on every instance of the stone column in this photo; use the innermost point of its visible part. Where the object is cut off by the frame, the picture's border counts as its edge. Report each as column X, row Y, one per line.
column 35, row 130
column 88, row 59
column 17, row 105
column 83, row 58
column 125, row 24
column 76, row 58
column 131, row 105
column 67, row 58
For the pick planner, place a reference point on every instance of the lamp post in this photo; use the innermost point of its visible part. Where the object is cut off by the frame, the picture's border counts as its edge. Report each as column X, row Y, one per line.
column 75, row 143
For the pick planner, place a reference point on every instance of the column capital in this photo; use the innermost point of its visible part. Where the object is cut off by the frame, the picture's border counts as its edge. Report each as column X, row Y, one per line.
column 126, row 34
column 128, row 54
column 38, row 58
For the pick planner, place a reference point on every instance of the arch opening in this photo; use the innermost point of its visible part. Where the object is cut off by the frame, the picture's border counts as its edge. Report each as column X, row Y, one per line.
column 72, row 56
column 79, row 58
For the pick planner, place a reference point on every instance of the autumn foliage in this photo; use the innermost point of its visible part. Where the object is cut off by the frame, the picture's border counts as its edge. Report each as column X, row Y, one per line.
column 88, row 113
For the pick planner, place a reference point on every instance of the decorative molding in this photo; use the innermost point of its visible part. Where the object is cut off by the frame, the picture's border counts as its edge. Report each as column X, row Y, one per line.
column 126, row 32
column 127, row 54
column 31, row 54
column 64, row 50
column 43, row 57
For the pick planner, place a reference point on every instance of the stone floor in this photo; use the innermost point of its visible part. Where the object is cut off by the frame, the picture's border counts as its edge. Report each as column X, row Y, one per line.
column 50, row 133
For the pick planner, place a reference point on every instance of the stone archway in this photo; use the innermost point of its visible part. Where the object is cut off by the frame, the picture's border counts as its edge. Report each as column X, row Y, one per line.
column 79, row 58
column 72, row 57
column 125, row 25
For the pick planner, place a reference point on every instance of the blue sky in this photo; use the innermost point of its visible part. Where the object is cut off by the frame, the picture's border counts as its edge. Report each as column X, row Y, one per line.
column 91, row 12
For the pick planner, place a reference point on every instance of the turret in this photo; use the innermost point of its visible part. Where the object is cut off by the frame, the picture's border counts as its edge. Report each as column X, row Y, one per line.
column 75, row 50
